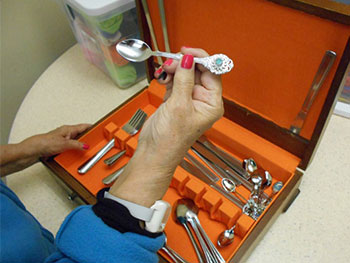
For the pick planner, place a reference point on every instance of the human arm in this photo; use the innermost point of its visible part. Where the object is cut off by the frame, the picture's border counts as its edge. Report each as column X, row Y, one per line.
column 194, row 103
column 16, row 157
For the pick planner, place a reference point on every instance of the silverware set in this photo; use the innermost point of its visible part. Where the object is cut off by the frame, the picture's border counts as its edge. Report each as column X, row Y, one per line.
column 223, row 173
column 132, row 127
column 217, row 165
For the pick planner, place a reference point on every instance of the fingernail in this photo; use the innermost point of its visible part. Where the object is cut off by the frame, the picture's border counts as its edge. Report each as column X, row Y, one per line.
column 86, row 146
column 187, row 61
column 159, row 70
column 186, row 47
column 163, row 75
column 168, row 62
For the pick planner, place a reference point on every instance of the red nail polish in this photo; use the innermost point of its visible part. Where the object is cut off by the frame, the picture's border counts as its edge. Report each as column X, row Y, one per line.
column 186, row 47
column 159, row 70
column 86, row 146
column 168, row 62
column 187, row 61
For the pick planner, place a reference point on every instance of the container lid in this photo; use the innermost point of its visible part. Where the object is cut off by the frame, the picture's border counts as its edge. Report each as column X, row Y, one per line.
column 102, row 7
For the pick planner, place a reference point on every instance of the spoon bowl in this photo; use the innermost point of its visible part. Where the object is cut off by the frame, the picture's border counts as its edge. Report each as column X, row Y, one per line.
column 134, row 50
column 180, row 218
column 230, row 186
column 226, row 237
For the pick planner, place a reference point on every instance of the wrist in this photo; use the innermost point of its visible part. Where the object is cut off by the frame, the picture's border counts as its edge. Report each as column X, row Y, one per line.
column 30, row 148
column 144, row 180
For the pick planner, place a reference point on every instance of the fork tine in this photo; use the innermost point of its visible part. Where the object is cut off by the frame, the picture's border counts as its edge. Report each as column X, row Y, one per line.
column 134, row 117
column 139, row 124
column 142, row 120
column 135, row 123
column 135, row 120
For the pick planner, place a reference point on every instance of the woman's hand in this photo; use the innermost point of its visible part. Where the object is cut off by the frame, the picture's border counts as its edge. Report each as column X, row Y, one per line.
column 15, row 157
column 193, row 103
column 56, row 141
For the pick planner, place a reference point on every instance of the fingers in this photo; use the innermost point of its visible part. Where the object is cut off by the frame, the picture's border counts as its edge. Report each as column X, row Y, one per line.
column 196, row 52
column 211, row 80
column 72, row 131
column 184, row 78
column 164, row 74
column 74, row 145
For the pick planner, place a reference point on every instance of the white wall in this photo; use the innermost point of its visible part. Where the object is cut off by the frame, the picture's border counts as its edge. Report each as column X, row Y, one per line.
column 33, row 34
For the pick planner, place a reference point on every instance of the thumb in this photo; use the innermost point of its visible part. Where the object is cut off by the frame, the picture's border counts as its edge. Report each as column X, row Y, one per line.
column 184, row 78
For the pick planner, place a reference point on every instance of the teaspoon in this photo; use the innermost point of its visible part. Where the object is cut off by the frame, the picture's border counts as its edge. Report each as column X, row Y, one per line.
column 136, row 50
column 172, row 253
column 210, row 251
column 226, row 237
column 180, row 215
column 230, row 186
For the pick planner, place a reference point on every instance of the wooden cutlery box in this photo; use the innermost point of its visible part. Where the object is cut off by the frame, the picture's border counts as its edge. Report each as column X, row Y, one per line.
column 277, row 51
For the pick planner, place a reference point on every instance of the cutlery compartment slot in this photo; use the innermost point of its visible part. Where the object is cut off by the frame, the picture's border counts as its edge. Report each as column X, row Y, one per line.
column 109, row 130
column 121, row 137
column 194, row 190
column 210, row 202
column 243, row 224
column 179, row 181
column 131, row 145
column 227, row 213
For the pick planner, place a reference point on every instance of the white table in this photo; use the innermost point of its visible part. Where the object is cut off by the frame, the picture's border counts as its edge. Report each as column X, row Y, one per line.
column 70, row 91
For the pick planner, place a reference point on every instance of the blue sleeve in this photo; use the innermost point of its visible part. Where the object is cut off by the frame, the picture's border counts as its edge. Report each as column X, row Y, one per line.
column 84, row 237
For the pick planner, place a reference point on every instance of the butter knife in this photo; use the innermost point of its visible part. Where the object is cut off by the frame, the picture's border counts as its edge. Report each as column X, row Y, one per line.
column 231, row 162
column 113, row 176
column 85, row 167
column 202, row 176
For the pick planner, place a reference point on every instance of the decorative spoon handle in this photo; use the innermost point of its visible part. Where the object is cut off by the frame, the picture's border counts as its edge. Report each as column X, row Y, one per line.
column 217, row 64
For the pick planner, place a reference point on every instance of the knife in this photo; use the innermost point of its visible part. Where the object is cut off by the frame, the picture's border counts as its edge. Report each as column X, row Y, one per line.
column 198, row 173
column 200, row 166
column 113, row 176
column 212, row 162
column 230, row 161
column 217, row 164
column 212, row 158
column 321, row 74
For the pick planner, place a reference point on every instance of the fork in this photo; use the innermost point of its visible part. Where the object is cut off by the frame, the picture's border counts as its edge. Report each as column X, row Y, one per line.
column 131, row 127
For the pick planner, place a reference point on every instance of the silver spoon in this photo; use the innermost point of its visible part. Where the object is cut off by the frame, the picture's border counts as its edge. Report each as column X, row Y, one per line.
column 172, row 253
column 230, row 187
column 180, row 215
column 226, row 237
column 250, row 165
column 210, row 251
column 136, row 50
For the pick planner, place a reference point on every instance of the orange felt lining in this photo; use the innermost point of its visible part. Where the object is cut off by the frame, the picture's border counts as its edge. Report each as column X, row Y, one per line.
column 276, row 51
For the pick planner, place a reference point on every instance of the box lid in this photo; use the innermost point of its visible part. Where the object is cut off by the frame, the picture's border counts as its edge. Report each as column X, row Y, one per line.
column 276, row 50
column 102, row 7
